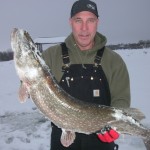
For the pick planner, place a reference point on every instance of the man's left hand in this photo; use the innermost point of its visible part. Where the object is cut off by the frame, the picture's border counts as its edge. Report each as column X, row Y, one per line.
column 107, row 134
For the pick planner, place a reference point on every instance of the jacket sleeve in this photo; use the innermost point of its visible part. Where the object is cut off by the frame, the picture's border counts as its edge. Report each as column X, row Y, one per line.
column 53, row 58
column 46, row 56
column 120, row 85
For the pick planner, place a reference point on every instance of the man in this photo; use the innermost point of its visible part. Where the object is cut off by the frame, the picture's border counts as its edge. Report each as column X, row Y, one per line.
column 89, row 71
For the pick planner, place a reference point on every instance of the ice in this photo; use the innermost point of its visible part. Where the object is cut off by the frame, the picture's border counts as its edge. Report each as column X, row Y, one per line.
column 22, row 127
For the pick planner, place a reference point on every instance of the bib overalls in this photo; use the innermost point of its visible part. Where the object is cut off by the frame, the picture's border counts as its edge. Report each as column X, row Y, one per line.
column 86, row 83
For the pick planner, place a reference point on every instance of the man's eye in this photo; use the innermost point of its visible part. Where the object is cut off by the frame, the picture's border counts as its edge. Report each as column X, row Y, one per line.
column 91, row 20
column 78, row 21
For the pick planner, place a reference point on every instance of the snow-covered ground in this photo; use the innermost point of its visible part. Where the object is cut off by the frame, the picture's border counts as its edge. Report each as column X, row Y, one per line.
column 22, row 127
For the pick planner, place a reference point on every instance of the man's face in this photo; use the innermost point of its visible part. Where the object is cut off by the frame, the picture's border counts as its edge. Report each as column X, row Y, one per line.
column 84, row 27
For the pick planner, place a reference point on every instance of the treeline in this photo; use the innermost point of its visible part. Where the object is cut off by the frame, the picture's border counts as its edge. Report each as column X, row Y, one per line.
column 140, row 45
column 8, row 55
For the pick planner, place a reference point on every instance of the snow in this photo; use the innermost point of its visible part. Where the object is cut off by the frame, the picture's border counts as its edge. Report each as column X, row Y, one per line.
column 22, row 127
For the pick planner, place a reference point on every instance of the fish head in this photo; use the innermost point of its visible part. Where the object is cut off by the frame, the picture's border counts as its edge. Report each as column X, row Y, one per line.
column 22, row 44
column 26, row 55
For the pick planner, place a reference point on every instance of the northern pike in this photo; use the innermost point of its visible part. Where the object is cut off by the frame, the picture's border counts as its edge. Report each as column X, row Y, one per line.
column 68, row 113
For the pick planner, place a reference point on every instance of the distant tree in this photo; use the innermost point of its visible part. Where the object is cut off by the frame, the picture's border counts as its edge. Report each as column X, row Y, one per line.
column 6, row 55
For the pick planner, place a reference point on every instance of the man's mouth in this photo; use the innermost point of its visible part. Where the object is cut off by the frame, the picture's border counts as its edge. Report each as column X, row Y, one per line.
column 84, row 36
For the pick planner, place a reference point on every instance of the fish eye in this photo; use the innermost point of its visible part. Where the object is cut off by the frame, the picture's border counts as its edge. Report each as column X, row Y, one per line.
column 33, row 48
column 38, row 53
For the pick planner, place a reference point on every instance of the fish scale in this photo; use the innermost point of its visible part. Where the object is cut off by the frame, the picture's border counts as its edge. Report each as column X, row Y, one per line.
column 63, row 110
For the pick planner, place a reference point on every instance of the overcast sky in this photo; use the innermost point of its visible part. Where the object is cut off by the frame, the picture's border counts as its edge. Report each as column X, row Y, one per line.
column 121, row 21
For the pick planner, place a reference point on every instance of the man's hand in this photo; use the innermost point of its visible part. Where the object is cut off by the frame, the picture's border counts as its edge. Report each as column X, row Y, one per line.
column 107, row 134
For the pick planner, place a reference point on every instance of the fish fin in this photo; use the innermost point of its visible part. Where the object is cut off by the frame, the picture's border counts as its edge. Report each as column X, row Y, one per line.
column 67, row 138
column 136, row 113
column 147, row 144
column 23, row 93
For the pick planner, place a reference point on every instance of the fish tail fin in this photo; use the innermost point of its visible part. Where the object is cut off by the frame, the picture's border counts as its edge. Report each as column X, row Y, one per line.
column 136, row 113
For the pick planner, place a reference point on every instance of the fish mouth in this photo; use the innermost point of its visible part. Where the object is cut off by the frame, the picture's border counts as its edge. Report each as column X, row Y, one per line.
column 16, row 37
column 20, row 38
column 14, row 31
column 14, row 34
column 13, row 37
column 23, row 45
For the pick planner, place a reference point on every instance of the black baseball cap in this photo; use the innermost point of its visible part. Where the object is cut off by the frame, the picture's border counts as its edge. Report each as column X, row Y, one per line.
column 84, row 5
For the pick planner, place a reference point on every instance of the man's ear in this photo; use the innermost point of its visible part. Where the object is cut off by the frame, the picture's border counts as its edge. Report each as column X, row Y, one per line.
column 70, row 21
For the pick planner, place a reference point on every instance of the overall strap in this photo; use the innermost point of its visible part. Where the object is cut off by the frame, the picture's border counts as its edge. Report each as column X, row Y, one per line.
column 65, row 55
column 98, row 57
column 66, row 60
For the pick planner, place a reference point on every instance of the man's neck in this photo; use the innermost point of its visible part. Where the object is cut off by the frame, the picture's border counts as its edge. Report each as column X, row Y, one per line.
column 88, row 47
